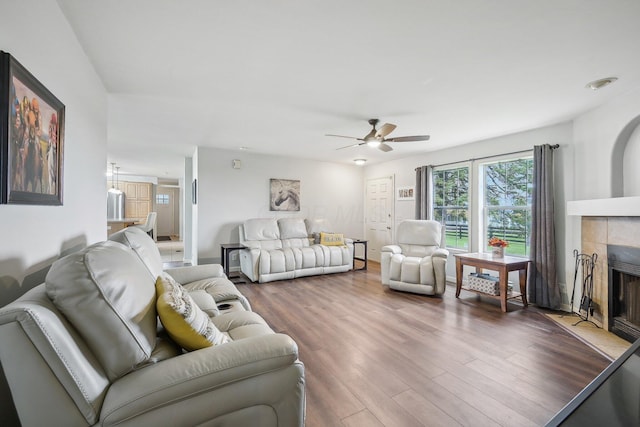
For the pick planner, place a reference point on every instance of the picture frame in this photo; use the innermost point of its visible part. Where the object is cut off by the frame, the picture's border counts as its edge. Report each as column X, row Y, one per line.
column 284, row 195
column 31, row 138
column 405, row 193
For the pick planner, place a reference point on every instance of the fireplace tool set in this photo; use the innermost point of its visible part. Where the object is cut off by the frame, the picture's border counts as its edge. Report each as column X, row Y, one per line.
column 584, row 273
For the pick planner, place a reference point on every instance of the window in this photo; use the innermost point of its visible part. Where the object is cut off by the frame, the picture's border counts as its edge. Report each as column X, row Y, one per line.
column 508, row 189
column 451, row 204
column 162, row 199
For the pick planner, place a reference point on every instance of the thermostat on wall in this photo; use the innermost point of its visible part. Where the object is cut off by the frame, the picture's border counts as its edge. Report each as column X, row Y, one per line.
column 236, row 164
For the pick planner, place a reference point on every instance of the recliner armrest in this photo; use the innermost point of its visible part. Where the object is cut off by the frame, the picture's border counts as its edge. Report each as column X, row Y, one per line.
column 156, row 387
column 196, row 272
column 395, row 249
column 441, row 253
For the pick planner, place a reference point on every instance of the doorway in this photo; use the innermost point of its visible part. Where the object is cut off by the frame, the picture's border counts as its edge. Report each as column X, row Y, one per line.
column 379, row 215
column 167, row 207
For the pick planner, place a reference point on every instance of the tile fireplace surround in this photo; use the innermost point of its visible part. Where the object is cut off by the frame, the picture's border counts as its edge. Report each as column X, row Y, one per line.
column 597, row 233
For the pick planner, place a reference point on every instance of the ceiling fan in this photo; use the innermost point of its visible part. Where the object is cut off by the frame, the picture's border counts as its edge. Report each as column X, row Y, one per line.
column 376, row 138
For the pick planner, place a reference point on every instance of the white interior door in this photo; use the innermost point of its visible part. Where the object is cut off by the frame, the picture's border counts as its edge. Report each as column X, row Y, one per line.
column 379, row 219
column 166, row 202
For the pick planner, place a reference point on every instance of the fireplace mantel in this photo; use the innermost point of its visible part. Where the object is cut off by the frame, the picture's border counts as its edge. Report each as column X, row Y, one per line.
column 613, row 206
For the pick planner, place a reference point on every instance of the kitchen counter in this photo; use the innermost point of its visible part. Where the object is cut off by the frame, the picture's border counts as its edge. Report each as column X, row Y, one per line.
column 114, row 225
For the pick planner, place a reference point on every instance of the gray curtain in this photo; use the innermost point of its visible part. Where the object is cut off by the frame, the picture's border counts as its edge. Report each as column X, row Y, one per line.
column 543, row 283
column 423, row 192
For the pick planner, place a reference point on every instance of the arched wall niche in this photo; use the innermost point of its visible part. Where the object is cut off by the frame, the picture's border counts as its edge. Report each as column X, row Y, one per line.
column 628, row 139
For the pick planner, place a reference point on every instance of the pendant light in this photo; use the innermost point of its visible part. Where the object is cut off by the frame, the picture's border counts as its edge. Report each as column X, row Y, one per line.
column 114, row 188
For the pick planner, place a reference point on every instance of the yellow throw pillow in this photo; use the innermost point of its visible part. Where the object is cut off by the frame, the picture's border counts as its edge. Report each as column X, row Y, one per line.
column 183, row 320
column 331, row 239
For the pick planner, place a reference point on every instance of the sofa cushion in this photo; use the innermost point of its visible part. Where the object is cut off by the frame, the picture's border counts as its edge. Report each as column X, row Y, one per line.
column 143, row 246
column 242, row 325
column 261, row 229
column 309, row 257
column 417, row 250
column 277, row 261
column 220, row 289
column 331, row 239
column 292, row 228
column 204, row 301
column 181, row 317
column 317, row 225
column 107, row 294
column 295, row 243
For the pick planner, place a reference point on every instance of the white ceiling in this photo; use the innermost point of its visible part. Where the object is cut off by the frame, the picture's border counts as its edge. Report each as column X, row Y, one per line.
column 276, row 76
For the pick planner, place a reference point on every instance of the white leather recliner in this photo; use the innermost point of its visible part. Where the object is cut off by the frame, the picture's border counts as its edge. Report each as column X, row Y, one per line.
column 417, row 263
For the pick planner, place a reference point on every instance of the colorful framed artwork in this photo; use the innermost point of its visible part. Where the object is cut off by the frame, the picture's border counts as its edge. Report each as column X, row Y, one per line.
column 31, row 138
column 284, row 195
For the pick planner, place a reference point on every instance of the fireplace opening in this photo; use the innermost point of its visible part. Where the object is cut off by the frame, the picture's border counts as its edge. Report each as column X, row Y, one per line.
column 624, row 291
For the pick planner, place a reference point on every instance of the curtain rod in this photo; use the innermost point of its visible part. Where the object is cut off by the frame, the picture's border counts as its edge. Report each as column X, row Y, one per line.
column 553, row 147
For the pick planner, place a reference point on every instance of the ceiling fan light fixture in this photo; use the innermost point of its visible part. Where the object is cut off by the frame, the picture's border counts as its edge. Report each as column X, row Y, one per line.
column 377, row 138
column 360, row 162
column 373, row 142
column 600, row 83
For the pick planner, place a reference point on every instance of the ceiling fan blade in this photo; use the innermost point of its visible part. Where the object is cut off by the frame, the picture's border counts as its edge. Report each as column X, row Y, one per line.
column 343, row 136
column 385, row 130
column 409, row 138
column 352, row 145
column 384, row 147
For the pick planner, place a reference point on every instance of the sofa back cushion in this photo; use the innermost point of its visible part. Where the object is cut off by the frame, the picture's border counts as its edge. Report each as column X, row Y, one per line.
column 316, row 225
column 143, row 246
column 292, row 228
column 261, row 229
column 420, row 232
column 108, row 295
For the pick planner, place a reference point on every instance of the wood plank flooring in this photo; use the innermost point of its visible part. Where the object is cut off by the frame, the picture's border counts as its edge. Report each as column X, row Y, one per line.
column 377, row 357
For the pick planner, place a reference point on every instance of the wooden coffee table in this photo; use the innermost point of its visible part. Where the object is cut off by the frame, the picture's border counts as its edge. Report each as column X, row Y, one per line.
column 503, row 266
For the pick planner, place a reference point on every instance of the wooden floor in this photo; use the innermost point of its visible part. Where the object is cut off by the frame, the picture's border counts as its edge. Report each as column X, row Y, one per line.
column 377, row 357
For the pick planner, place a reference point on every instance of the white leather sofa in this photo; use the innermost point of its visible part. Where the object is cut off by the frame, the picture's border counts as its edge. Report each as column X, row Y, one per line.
column 417, row 263
column 280, row 249
column 86, row 348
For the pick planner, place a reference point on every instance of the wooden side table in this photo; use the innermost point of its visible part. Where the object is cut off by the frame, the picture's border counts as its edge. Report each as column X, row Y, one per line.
column 503, row 266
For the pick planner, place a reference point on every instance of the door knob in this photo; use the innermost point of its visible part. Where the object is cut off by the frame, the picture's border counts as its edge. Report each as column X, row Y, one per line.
column 388, row 228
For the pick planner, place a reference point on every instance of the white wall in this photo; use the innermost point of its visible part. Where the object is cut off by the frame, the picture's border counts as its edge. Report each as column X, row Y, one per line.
column 604, row 141
column 35, row 236
column 631, row 169
column 187, row 234
column 404, row 171
column 595, row 135
column 38, row 36
column 228, row 196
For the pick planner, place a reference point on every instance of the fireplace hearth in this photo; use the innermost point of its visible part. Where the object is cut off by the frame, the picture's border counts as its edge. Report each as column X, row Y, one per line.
column 624, row 291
